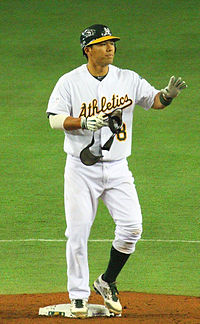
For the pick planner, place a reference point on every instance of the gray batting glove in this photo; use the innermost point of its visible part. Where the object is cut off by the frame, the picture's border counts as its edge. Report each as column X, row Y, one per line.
column 94, row 123
column 174, row 87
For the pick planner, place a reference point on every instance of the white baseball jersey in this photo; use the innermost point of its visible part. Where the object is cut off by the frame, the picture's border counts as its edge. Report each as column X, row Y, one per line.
column 78, row 93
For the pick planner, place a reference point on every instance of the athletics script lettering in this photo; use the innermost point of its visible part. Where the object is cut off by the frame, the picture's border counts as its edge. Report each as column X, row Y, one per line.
column 116, row 102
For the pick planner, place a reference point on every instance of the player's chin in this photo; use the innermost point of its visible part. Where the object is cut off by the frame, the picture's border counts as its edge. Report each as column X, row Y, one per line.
column 109, row 59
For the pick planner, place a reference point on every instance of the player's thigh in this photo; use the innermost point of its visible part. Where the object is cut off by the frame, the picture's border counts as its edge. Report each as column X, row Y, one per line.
column 123, row 204
column 80, row 198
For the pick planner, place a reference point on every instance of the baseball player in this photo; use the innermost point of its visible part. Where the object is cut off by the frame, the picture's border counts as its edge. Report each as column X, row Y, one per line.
column 81, row 105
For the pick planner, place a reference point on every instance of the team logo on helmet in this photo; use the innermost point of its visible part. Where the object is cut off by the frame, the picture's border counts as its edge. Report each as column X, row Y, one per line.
column 106, row 32
column 88, row 32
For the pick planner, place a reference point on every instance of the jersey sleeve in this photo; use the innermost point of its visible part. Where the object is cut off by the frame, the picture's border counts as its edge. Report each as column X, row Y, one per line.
column 145, row 93
column 60, row 100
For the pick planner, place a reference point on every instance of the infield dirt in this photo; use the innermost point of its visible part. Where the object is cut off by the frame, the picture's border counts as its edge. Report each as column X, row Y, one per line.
column 137, row 308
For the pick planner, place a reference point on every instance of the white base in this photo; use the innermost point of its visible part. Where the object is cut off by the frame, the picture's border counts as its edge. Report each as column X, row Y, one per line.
column 64, row 311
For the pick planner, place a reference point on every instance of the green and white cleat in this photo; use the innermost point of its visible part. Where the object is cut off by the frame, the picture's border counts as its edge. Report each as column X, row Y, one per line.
column 79, row 308
column 109, row 293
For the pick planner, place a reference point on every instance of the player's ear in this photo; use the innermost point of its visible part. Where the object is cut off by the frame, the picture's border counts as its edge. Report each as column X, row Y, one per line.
column 84, row 53
column 87, row 50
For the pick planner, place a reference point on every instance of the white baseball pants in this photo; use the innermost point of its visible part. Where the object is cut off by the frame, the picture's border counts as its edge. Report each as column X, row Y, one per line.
column 84, row 186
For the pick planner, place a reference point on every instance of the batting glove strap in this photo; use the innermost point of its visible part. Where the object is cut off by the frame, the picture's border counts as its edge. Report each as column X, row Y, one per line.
column 83, row 122
column 173, row 88
column 164, row 101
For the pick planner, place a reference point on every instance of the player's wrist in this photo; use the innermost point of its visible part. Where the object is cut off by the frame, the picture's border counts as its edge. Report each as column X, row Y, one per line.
column 165, row 101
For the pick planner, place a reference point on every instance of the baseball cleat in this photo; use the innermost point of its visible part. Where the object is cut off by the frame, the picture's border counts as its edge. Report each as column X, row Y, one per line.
column 109, row 293
column 79, row 308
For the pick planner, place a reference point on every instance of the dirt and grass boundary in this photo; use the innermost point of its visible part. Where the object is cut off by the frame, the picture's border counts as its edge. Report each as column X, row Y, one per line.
column 137, row 308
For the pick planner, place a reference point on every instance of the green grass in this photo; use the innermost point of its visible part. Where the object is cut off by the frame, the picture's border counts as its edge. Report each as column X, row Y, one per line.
column 40, row 42
column 155, row 267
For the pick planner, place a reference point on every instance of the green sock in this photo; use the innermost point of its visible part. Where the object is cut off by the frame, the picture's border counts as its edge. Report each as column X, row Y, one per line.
column 115, row 265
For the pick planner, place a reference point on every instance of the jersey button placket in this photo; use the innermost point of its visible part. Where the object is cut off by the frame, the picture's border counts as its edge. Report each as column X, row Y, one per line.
column 100, row 95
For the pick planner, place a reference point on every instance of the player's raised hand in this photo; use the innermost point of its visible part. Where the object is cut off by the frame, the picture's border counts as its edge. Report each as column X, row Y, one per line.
column 94, row 123
column 174, row 87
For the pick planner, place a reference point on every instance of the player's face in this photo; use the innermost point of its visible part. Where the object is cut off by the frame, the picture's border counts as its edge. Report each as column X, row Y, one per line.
column 102, row 53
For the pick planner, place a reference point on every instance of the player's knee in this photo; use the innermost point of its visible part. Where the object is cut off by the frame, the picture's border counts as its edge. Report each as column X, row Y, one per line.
column 124, row 247
column 126, row 239
column 129, row 233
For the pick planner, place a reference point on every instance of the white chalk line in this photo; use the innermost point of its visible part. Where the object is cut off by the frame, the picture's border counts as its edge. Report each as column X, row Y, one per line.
column 102, row 241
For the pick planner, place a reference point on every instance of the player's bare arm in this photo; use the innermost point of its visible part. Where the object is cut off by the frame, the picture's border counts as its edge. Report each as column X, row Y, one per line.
column 72, row 123
column 157, row 104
